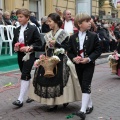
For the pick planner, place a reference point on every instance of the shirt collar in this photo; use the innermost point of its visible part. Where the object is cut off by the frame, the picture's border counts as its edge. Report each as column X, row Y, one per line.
column 68, row 21
column 82, row 33
column 24, row 26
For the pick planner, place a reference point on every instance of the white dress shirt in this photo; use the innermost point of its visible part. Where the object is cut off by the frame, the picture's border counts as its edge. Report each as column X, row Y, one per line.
column 68, row 26
column 21, row 35
column 82, row 36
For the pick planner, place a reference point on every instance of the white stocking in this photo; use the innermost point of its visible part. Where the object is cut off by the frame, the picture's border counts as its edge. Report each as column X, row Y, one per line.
column 85, row 100
column 90, row 102
column 23, row 89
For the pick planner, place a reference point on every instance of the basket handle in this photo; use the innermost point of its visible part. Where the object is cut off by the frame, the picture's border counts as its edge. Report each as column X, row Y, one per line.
column 46, row 50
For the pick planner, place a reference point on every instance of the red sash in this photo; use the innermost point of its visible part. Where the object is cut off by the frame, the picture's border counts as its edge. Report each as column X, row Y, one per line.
column 80, row 52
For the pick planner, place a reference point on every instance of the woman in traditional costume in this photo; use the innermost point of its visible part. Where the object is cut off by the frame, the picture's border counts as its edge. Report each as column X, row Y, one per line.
column 64, row 86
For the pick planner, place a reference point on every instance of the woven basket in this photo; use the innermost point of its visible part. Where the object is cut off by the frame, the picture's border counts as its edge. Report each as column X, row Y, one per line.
column 48, row 66
column 114, row 66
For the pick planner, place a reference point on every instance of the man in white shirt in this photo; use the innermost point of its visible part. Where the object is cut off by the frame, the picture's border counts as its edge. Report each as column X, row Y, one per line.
column 68, row 23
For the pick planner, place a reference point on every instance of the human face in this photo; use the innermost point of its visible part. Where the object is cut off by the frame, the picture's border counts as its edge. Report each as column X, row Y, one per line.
column 22, row 19
column 13, row 14
column 51, row 23
column 7, row 16
column 68, row 15
column 85, row 25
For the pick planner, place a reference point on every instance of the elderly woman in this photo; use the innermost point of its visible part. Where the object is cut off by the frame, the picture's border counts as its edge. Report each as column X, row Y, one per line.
column 6, row 17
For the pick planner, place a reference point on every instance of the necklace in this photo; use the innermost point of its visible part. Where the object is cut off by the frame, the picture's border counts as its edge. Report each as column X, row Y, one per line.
column 53, row 34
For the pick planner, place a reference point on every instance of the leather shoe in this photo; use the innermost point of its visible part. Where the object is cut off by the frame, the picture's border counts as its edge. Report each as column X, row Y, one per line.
column 89, row 110
column 18, row 103
column 29, row 100
column 65, row 105
column 80, row 114
column 51, row 109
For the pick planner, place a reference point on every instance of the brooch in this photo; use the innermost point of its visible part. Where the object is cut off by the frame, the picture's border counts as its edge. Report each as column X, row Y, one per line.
column 77, row 40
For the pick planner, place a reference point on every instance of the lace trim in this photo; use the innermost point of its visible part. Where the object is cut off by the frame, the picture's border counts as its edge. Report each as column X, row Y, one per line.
column 52, row 92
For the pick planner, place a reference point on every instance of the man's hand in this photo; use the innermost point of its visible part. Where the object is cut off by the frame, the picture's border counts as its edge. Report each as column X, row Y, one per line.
column 77, row 59
column 16, row 48
column 84, row 61
column 24, row 49
column 29, row 49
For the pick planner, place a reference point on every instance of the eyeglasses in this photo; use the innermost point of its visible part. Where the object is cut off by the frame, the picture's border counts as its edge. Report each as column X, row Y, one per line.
column 13, row 13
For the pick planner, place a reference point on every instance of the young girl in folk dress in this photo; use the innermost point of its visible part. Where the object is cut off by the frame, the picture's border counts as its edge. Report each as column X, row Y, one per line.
column 64, row 86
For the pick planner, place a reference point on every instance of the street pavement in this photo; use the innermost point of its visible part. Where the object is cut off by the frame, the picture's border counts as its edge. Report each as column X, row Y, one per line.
column 105, row 95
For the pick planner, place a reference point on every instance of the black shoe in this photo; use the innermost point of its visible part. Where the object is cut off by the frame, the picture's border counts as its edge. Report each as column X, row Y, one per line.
column 65, row 105
column 29, row 100
column 89, row 110
column 18, row 103
column 80, row 114
column 51, row 109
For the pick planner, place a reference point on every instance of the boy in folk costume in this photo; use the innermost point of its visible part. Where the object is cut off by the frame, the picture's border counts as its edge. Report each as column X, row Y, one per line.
column 84, row 49
column 25, row 36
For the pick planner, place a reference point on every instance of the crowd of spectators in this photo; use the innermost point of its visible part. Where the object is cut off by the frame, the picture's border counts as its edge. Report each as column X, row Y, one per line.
column 108, row 32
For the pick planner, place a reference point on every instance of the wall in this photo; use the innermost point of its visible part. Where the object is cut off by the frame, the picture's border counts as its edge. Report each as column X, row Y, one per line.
column 62, row 4
column 95, row 7
column 1, row 4
column 16, row 4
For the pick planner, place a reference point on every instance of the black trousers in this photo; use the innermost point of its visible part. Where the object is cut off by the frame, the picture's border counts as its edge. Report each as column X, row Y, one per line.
column 25, row 66
column 85, row 74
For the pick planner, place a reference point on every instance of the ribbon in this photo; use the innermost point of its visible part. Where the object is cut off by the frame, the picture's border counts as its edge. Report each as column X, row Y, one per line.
column 70, row 116
column 27, row 56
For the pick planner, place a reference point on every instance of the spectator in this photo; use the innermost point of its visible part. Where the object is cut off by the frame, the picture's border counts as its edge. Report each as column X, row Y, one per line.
column 93, row 25
column 34, row 20
column 68, row 22
column 103, row 34
column 13, row 16
column 58, row 11
column 117, row 31
column 6, row 17
column 113, row 40
column 45, row 26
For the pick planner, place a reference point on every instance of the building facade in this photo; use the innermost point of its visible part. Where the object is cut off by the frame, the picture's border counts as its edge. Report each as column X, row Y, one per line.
column 37, row 6
column 44, row 7
column 75, row 6
column 1, row 4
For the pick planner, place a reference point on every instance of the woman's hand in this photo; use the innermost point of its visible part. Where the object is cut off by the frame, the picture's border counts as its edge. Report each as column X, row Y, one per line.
column 52, row 43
